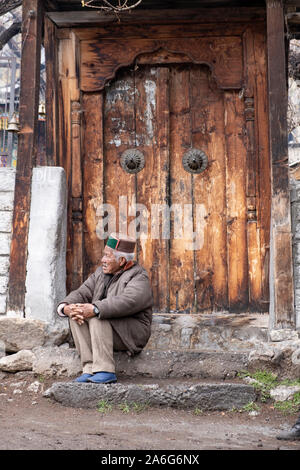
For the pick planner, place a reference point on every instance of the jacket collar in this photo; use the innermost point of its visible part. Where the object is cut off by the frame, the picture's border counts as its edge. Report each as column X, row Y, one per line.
column 127, row 266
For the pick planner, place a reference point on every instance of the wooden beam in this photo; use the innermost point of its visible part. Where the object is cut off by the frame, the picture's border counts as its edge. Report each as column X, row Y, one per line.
column 65, row 19
column 27, row 148
column 281, row 272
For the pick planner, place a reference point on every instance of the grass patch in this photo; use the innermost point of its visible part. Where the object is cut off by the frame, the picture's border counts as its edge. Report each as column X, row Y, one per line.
column 265, row 381
column 290, row 406
column 251, row 407
column 104, row 406
column 134, row 407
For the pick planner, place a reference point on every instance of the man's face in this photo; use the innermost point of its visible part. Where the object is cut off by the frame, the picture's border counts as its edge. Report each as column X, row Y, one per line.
column 109, row 263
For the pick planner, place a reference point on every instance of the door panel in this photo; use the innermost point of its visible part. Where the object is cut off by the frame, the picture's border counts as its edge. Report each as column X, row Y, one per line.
column 191, row 227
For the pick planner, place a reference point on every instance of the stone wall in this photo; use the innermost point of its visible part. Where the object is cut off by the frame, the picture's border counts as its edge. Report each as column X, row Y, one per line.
column 7, row 186
column 46, row 264
column 295, row 210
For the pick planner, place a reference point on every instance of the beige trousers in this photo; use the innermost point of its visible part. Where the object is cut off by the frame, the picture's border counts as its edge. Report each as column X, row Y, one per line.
column 95, row 341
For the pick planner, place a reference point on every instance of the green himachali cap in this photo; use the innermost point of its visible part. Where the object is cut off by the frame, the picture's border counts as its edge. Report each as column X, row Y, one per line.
column 121, row 242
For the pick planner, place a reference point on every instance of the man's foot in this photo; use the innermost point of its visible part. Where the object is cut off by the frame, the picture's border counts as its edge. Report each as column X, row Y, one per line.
column 292, row 435
column 103, row 378
column 83, row 378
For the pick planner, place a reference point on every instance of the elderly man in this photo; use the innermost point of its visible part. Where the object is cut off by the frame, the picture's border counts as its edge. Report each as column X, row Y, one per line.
column 111, row 310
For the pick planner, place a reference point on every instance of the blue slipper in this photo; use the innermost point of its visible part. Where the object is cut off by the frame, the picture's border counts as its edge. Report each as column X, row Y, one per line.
column 83, row 378
column 103, row 378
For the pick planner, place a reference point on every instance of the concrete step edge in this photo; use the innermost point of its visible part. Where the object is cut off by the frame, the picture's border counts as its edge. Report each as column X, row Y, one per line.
column 203, row 396
column 163, row 364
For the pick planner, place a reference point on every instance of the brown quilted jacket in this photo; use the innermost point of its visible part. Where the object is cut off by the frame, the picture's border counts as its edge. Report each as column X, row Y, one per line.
column 127, row 304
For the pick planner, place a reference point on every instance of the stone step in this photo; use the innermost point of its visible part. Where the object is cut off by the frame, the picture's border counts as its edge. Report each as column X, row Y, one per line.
column 180, row 364
column 205, row 396
column 213, row 332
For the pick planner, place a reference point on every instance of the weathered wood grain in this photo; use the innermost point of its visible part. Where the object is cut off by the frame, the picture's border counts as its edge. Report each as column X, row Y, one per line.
column 182, row 292
column 209, row 193
column 236, row 203
column 282, row 300
column 93, row 184
column 68, row 92
column 76, row 194
column 51, row 61
column 263, row 203
column 100, row 61
column 119, row 135
column 165, row 97
column 27, row 149
column 152, row 138
column 162, row 16
column 252, row 188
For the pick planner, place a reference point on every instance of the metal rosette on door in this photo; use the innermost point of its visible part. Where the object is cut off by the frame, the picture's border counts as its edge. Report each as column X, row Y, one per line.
column 195, row 161
column 132, row 161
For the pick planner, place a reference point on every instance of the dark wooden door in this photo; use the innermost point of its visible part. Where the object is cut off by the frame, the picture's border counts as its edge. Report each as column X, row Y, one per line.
column 192, row 227
column 202, row 236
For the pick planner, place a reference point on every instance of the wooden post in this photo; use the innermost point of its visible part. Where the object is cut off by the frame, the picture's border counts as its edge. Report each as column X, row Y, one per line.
column 281, row 272
column 51, row 60
column 27, row 148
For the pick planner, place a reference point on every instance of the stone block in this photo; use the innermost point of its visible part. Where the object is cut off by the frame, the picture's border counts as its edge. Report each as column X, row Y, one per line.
column 4, row 265
column 205, row 396
column 296, row 211
column 3, row 284
column 19, row 361
column 20, row 333
column 283, row 335
column 7, row 179
column 6, row 201
column 179, row 364
column 6, row 221
column 5, row 239
column 3, row 300
column 213, row 332
column 284, row 392
column 24, row 333
column 56, row 361
column 46, row 265
column 296, row 230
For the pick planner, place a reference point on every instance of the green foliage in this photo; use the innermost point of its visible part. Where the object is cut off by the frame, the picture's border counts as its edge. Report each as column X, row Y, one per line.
column 251, row 407
column 104, row 406
column 290, row 406
column 135, row 407
column 265, row 381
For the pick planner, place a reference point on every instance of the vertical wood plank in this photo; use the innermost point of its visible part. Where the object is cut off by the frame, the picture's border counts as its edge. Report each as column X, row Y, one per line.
column 93, row 186
column 76, row 191
column 152, row 138
column 282, row 293
column 119, row 135
column 264, row 178
column 68, row 91
column 51, row 61
column 251, row 123
column 182, row 292
column 209, row 192
column 27, row 147
column 236, row 203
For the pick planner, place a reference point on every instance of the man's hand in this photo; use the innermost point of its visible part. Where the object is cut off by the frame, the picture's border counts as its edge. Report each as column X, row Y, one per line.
column 79, row 312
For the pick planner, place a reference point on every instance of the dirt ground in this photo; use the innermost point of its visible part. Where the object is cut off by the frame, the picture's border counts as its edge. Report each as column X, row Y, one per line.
column 30, row 421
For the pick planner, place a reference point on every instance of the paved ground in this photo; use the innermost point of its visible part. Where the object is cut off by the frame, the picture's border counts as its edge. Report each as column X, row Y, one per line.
column 30, row 421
